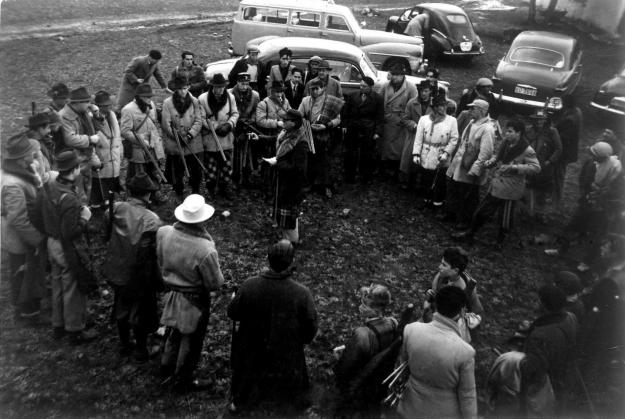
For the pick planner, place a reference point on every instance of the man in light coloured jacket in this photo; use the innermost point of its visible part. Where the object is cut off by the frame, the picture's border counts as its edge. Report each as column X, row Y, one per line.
column 189, row 265
column 467, row 168
column 441, row 364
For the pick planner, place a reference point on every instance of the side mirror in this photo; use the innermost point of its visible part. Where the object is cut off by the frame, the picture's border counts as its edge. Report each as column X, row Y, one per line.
column 363, row 23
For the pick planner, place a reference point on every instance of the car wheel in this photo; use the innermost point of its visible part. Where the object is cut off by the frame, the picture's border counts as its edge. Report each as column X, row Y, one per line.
column 391, row 62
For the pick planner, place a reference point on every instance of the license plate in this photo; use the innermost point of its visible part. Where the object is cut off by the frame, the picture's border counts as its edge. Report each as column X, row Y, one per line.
column 466, row 46
column 525, row 91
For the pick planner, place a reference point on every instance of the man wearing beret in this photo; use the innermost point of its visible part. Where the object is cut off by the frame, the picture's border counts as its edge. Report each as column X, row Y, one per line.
column 181, row 125
column 20, row 238
column 363, row 116
column 79, row 133
column 247, row 100
column 276, row 317
column 60, row 215
column 131, row 266
column 140, row 70
column 191, row 71
column 218, row 108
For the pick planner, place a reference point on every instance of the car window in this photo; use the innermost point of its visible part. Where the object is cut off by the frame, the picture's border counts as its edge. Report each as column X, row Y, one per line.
column 308, row 19
column 539, row 56
column 458, row 19
column 265, row 14
column 344, row 71
column 336, row 23
column 367, row 67
column 409, row 14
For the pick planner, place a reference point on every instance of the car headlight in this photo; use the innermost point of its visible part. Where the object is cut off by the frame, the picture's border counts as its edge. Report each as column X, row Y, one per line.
column 554, row 103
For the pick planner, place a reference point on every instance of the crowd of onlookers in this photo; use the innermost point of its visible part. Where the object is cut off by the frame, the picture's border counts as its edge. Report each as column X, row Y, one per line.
column 291, row 131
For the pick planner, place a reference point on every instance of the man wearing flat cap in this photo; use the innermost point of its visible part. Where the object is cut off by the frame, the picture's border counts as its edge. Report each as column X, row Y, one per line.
column 80, row 134
column 218, row 109
column 139, row 71
column 139, row 123
column 396, row 93
column 189, row 279
column 60, row 215
column 467, row 168
column 247, row 100
column 312, row 68
column 20, row 239
column 131, row 266
column 248, row 64
column 482, row 90
column 276, row 317
column 181, row 124
column 191, row 71
column 331, row 85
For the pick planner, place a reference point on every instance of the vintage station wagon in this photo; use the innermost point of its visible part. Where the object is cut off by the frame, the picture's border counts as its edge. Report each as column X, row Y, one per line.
column 321, row 20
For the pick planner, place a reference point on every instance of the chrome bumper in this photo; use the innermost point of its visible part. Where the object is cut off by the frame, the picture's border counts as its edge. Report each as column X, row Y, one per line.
column 607, row 108
column 519, row 101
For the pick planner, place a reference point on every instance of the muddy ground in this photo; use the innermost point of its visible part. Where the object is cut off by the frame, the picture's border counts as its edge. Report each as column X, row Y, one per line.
column 384, row 238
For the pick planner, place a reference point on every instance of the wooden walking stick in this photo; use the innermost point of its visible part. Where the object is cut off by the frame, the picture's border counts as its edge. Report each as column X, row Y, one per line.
column 150, row 157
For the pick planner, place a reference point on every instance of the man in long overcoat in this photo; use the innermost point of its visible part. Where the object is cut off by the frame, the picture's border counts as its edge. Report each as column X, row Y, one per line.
column 396, row 93
column 276, row 317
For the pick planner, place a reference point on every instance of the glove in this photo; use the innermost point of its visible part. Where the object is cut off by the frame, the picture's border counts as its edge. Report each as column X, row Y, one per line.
column 223, row 129
column 417, row 160
column 94, row 139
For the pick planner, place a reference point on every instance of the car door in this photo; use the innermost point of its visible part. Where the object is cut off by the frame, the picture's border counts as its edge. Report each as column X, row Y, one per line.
column 336, row 28
column 304, row 23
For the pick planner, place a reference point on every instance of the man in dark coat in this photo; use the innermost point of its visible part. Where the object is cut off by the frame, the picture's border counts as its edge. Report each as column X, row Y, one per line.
column 363, row 116
column 276, row 317
column 61, row 215
column 191, row 71
column 250, row 65
column 138, row 71
column 294, row 88
column 131, row 266
column 568, row 122
column 549, row 347
column 482, row 91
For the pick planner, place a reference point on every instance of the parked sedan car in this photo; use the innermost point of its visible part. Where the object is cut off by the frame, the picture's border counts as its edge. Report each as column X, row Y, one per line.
column 349, row 63
column 610, row 97
column 318, row 19
column 452, row 32
column 539, row 69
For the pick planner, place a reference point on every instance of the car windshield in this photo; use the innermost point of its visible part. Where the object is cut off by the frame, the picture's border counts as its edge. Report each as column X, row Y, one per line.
column 367, row 67
column 539, row 56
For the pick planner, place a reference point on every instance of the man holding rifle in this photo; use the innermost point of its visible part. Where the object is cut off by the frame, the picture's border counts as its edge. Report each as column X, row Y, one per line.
column 140, row 133
column 247, row 100
column 219, row 113
column 181, row 126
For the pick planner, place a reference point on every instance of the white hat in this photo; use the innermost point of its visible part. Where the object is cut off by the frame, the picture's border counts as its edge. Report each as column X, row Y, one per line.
column 194, row 210
column 479, row 103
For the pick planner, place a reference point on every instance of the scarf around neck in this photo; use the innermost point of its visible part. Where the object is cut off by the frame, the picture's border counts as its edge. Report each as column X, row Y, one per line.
column 289, row 141
column 181, row 103
column 216, row 103
column 509, row 152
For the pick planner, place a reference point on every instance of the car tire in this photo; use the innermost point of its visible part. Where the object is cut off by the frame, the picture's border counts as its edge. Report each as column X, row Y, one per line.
column 394, row 60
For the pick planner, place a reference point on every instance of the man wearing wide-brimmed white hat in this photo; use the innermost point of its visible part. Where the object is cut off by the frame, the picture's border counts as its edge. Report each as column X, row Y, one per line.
column 190, row 268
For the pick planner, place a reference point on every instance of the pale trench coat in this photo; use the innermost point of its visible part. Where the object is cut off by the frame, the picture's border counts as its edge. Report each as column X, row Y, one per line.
column 109, row 148
column 431, row 141
column 442, row 379
column 148, row 132
column 477, row 134
column 188, row 123
column 394, row 135
column 414, row 112
column 228, row 113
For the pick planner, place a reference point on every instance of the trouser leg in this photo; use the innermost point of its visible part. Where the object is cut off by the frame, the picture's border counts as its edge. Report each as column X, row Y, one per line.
column 212, row 167
column 470, row 195
column 292, row 235
column 484, row 211
column 351, row 155
column 175, row 169
column 425, row 183
column 367, row 159
column 74, row 304
column 225, row 171
column 170, row 352
column 440, row 187
column 195, row 172
column 16, row 267
column 190, row 350
column 57, row 263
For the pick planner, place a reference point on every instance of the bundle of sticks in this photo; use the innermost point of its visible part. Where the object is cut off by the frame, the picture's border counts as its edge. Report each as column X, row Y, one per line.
column 396, row 384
